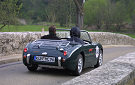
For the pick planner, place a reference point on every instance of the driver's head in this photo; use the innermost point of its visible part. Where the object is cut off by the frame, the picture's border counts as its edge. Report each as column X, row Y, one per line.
column 52, row 30
column 75, row 31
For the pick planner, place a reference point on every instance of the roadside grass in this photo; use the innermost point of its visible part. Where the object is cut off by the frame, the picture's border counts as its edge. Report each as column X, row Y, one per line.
column 22, row 28
column 131, row 35
column 26, row 28
column 38, row 28
column 128, row 34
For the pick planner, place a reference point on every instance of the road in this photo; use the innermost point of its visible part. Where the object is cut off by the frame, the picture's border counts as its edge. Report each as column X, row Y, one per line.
column 17, row 74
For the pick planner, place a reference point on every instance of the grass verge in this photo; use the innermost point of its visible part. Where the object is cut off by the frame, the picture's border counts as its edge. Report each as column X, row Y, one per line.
column 38, row 28
column 26, row 28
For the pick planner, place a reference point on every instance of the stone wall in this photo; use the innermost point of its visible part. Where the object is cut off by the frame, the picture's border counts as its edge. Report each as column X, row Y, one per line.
column 107, row 38
column 14, row 42
column 120, row 71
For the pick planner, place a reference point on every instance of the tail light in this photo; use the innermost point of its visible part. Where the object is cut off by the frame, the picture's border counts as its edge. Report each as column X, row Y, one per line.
column 63, row 60
column 65, row 53
column 25, row 49
column 24, row 56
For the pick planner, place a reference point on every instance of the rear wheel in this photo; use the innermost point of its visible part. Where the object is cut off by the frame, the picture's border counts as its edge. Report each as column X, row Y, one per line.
column 79, row 66
column 32, row 67
column 100, row 59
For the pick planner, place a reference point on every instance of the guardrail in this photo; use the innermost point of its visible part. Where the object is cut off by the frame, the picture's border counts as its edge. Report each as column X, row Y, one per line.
column 120, row 71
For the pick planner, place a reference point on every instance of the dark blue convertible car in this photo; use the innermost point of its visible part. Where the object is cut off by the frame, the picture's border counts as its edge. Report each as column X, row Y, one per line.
column 69, row 55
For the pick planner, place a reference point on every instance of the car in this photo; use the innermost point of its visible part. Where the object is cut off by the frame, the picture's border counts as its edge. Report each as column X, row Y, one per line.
column 62, row 53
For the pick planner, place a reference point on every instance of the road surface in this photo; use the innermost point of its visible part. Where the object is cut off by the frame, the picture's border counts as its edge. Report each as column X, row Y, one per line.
column 17, row 74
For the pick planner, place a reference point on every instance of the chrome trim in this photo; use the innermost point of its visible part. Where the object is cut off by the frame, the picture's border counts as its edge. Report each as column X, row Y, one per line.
column 28, row 58
column 74, row 51
column 27, row 45
column 67, row 44
column 87, row 44
column 44, row 53
column 59, row 61
column 70, row 29
column 80, row 64
column 61, row 49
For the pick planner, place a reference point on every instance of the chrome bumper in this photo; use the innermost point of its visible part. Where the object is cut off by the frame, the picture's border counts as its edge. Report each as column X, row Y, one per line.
column 59, row 61
column 57, row 67
column 28, row 58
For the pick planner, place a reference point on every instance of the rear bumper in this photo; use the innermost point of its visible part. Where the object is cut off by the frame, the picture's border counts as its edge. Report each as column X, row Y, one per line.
column 69, row 64
column 29, row 59
column 48, row 66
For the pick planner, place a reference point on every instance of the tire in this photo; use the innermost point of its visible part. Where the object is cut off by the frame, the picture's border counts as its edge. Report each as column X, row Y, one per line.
column 100, row 59
column 79, row 66
column 32, row 67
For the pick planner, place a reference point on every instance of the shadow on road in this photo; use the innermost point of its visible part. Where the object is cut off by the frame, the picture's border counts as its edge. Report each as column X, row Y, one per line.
column 57, row 72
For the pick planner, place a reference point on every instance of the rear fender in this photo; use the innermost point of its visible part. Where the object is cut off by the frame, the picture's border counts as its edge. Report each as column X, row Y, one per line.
column 71, row 62
column 82, row 53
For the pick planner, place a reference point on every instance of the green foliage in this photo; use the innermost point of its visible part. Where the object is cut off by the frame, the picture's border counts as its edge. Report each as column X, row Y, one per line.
column 33, row 10
column 61, row 11
column 110, row 15
column 66, row 12
column 94, row 10
column 9, row 9
column 131, row 35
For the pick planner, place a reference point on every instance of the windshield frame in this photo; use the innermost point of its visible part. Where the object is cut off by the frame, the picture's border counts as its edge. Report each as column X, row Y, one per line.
column 68, row 30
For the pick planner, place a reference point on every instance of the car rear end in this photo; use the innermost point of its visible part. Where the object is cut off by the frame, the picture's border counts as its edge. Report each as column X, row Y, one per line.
column 46, row 52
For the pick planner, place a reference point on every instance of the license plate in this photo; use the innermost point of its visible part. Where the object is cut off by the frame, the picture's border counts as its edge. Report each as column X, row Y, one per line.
column 44, row 58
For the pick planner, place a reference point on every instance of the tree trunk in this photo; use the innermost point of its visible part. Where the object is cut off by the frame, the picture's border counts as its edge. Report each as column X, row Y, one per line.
column 80, row 13
column 79, row 19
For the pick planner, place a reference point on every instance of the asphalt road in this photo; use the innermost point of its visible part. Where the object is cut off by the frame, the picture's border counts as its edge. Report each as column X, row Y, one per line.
column 17, row 74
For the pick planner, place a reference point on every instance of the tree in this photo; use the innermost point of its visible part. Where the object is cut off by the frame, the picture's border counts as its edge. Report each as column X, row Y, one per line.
column 34, row 10
column 108, row 14
column 119, row 15
column 66, row 12
column 61, row 11
column 9, row 9
column 94, row 12
column 131, row 13
column 51, row 11
column 80, row 12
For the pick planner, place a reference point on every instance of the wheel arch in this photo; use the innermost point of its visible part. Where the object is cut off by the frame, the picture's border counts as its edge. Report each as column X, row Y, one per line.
column 102, row 50
column 83, row 55
column 100, row 46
